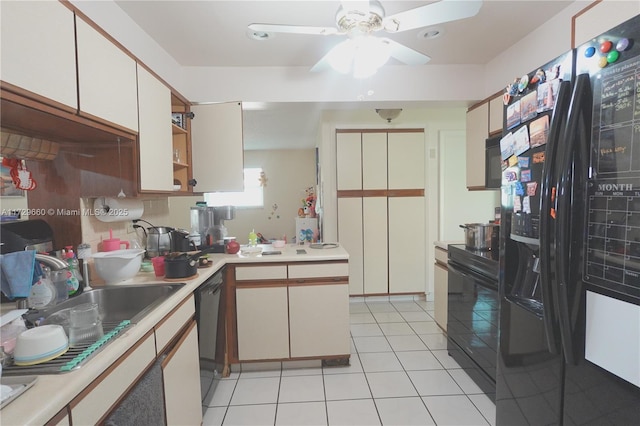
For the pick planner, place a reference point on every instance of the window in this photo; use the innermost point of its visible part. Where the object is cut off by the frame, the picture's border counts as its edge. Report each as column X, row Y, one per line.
column 252, row 196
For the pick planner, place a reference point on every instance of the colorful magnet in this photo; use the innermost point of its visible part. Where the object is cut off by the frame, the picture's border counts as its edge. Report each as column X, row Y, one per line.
column 538, row 157
column 517, row 204
column 519, row 188
column 606, row 46
column 613, row 56
column 506, row 98
column 523, row 83
column 531, row 188
column 602, row 62
column 590, row 51
column 525, row 176
column 526, row 205
column 523, row 162
column 512, row 161
column 510, row 176
column 622, row 44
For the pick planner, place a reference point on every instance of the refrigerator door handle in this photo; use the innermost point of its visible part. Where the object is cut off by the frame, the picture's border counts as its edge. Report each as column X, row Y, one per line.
column 574, row 153
column 547, row 217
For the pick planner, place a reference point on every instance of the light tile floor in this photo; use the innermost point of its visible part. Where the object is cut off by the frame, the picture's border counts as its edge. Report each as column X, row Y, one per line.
column 400, row 374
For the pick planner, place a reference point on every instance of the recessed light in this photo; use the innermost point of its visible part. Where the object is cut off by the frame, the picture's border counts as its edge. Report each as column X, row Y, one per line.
column 429, row 33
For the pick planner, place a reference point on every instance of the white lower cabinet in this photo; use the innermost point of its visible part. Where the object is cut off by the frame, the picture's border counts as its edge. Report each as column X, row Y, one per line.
column 317, row 325
column 181, row 380
column 350, row 232
column 441, row 295
column 263, row 323
column 375, row 245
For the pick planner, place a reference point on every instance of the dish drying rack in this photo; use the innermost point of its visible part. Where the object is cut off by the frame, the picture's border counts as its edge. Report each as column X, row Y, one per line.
column 75, row 357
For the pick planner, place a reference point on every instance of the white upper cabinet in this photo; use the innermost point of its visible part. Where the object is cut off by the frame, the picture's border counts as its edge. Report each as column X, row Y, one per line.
column 374, row 160
column 496, row 107
column 38, row 49
column 600, row 17
column 218, row 147
column 107, row 82
column 349, row 160
column 156, row 143
column 406, row 160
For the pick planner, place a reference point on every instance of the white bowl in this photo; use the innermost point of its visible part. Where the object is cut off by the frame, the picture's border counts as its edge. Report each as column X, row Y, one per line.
column 40, row 344
column 118, row 265
column 278, row 243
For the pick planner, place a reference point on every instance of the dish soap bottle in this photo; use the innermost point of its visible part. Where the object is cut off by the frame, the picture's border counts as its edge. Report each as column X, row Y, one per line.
column 253, row 238
column 73, row 276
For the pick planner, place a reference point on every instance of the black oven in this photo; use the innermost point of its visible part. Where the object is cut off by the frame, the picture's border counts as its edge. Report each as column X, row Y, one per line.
column 493, row 163
column 473, row 312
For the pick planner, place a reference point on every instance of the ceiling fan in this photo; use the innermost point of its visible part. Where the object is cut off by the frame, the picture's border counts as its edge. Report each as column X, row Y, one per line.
column 363, row 53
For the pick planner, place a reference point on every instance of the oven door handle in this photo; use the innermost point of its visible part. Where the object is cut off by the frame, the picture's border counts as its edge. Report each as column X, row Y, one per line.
column 482, row 280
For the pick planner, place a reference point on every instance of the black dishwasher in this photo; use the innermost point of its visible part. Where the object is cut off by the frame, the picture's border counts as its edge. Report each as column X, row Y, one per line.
column 208, row 316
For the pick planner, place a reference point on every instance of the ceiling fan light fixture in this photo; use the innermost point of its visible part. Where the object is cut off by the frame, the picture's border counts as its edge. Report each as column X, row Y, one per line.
column 361, row 56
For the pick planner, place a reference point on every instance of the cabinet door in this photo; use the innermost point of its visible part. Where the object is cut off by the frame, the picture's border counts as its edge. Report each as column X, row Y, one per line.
column 349, row 161
column 440, row 290
column 107, row 83
column 155, row 138
column 38, row 49
column 407, row 248
column 496, row 107
column 350, row 237
column 218, row 147
column 110, row 386
column 319, row 320
column 181, row 379
column 263, row 323
column 376, row 272
column 374, row 160
column 599, row 17
column 406, row 160
column 477, row 133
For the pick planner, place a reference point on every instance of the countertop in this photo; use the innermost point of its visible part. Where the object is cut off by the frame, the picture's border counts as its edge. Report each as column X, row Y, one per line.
column 443, row 244
column 51, row 393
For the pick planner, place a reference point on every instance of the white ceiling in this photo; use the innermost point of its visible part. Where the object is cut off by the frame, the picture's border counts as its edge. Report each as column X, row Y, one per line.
column 214, row 33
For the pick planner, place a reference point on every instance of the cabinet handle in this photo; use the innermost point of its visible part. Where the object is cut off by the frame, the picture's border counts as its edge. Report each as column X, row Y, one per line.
column 192, row 182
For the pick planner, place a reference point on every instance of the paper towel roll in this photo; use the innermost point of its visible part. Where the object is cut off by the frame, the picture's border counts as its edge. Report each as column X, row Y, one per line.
column 117, row 209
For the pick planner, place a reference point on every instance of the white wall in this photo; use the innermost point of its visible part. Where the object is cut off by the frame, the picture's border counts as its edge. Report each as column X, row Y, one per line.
column 457, row 205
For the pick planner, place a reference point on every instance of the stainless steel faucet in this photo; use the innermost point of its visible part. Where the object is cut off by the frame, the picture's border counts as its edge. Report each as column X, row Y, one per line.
column 52, row 262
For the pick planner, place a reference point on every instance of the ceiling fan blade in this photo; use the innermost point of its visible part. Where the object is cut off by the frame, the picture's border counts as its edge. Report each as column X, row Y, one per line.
column 432, row 14
column 405, row 54
column 292, row 29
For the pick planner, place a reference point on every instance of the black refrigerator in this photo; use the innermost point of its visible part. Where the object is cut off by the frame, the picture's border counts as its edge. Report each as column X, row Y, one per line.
column 569, row 329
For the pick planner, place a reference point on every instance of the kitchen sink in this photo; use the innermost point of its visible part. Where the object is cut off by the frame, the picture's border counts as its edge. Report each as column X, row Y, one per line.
column 117, row 303
column 119, row 306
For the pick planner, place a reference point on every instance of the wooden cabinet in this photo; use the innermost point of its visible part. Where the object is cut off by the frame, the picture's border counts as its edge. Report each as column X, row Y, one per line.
column 218, row 151
column 181, row 380
column 496, row 113
column 440, row 286
column 477, row 134
column 38, row 50
column 181, row 144
column 155, row 135
column 107, row 83
column 301, row 314
column 379, row 175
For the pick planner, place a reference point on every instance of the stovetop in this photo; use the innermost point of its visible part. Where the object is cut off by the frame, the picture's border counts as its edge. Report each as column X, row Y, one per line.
column 484, row 262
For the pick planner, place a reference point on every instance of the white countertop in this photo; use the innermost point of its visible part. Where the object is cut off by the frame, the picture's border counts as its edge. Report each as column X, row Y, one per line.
column 51, row 393
column 443, row 244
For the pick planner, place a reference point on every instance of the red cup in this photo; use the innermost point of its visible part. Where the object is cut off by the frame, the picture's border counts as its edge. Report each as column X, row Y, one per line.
column 112, row 244
column 158, row 265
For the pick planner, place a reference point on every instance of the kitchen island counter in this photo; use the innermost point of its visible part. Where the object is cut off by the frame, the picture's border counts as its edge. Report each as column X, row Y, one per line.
column 52, row 393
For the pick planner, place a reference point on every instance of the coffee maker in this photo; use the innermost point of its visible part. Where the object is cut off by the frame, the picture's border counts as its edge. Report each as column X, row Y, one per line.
column 208, row 223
